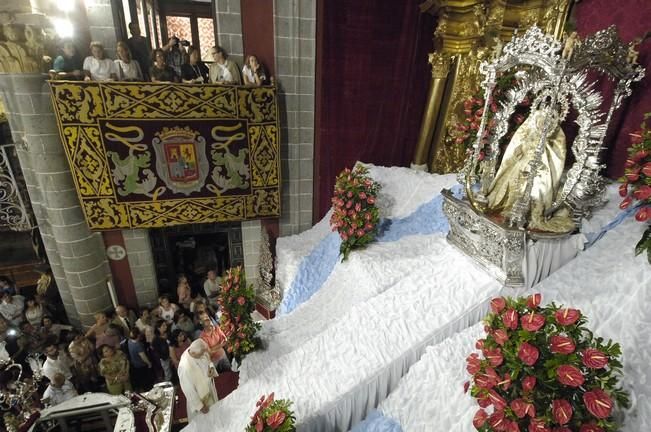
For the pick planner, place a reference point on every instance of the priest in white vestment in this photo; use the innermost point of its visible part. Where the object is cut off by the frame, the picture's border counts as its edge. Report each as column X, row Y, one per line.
column 196, row 373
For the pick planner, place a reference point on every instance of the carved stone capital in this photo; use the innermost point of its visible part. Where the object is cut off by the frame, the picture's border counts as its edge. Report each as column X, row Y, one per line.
column 440, row 65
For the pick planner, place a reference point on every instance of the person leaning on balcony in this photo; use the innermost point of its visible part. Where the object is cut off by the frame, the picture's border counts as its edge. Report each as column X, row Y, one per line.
column 195, row 71
column 98, row 67
column 160, row 71
column 128, row 69
column 254, row 73
column 223, row 70
column 69, row 64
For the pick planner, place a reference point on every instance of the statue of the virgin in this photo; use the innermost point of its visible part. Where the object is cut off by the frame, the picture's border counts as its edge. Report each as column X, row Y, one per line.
column 511, row 179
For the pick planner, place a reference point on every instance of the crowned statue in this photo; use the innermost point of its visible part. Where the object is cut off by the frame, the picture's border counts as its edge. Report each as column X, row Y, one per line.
column 511, row 179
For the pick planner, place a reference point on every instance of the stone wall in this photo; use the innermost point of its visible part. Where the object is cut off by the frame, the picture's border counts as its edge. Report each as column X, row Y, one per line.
column 101, row 25
column 229, row 28
column 141, row 263
column 295, row 39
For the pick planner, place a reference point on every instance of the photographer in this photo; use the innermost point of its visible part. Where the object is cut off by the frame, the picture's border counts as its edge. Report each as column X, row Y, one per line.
column 175, row 55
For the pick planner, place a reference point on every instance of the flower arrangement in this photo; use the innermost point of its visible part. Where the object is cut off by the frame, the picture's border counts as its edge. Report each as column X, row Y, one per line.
column 355, row 215
column 464, row 132
column 237, row 301
column 543, row 371
column 637, row 182
column 272, row 415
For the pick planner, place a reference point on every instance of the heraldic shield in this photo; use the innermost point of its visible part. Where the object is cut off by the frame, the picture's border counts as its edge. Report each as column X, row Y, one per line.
column 181, row 159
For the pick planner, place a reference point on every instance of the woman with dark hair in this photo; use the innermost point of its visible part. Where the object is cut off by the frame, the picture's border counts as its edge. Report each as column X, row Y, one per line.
column 128, row 69
column 69, row 64
column 196, row 71
column 161, row 348
column 114, row 367
column 141, row 367
column 254, row 73
column 179, row 342
column 160, row 71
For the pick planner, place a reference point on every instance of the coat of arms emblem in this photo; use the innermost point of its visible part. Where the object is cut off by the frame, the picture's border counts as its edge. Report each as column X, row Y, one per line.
column 181, row 159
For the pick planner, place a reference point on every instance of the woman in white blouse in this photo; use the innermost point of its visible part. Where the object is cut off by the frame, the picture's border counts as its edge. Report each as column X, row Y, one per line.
column 97, row 67
column 128, row 69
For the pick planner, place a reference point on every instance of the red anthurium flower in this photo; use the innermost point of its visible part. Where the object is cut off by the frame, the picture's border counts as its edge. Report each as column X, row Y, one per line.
column 480, row 418
column 598, row 403
column 484, row 401
column 642, row 193
column 474, row 364
column 567, row 317
column 530, row 410
column 561, row 411
column 497, row 420
column 532, row 322
column 276, row 419
column 528, row 354
column 538, row 425
column 646, row 169
column 630, row 163
column 636, row 137
column 506, row 382
column 519, row 407
column 466, row 385
column 634, row 175
column 494, row 356
column 512, row 426
column 561, row 429
column 500, row 336
column 485, row 381
column 561, row 345
column 590, row 427
column 570, row 376
column 498, row 401
column 643, row 214
column 623, row 190
column 498, row 304
column 594, row 359
column 640, row 155
column 534, row 300
column 528, row 383
column 480, row 344
column 510, row 319
column 259, row 425
column 626, row 202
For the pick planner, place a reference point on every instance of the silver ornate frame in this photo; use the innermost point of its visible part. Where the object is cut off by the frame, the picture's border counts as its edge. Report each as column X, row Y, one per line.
column 561, row 78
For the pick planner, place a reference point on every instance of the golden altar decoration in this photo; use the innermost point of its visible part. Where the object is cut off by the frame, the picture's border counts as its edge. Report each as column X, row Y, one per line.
column 148, row 155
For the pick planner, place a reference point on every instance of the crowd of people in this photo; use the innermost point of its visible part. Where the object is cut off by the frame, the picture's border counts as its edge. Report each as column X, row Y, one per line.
column 172, row 63
column 122, row 350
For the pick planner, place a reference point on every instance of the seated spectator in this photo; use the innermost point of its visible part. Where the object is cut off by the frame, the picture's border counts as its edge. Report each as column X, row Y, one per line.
column 161, row 348
column 159, row 70
column 144, row 324
column 128, row 69
column 211, row 286
column 141, row 367
column 69, row 65
column 82, row 352
column 52, row 331
column 11, row 307
column 97, row 67
column 33, row 312
column 216, row 340
column 223, row 70
column 114, row 367
column 165, row 309
column 57, row 361
column 179, row 342
column 196, row 71
column 254, row 73
column 59, row 390
column 174, row 55
column 125, row 319
column 183, row 322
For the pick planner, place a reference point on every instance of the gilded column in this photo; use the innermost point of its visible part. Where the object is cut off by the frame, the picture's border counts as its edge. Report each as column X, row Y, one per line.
column 440, row 67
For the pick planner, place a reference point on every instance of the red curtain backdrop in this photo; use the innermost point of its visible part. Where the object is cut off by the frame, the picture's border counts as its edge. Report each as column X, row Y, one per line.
column 372, row 80
column 633, row 19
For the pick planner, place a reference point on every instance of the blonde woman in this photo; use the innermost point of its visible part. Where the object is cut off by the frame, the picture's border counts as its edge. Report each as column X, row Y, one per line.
column 97, row 67
column 128, row 69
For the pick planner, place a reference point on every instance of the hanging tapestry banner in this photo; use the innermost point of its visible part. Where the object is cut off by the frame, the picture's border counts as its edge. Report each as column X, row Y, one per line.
column 156, row 155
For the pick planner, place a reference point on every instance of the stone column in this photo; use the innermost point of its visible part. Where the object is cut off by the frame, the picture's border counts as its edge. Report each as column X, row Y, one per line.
column 295, row 37
column 76, row 255
column 141, row 263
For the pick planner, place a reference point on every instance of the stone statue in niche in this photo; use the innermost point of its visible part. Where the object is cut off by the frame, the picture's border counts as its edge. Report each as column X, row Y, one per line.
column 14, row 55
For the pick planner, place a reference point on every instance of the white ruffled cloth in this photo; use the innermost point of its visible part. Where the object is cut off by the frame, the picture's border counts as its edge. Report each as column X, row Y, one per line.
column 607, row 283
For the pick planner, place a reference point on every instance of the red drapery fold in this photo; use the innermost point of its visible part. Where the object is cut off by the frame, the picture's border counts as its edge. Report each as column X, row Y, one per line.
column 372, row 81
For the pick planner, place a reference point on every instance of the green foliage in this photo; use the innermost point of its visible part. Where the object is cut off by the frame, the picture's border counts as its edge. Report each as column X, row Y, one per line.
column 355, row 215
column 237, row 301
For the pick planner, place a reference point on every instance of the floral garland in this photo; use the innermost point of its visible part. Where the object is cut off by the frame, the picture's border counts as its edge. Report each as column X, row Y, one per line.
column 637, row 182
column 272, row 415
column 355, row 215
column 465, row 131
column 543, row 371
column 237, row 301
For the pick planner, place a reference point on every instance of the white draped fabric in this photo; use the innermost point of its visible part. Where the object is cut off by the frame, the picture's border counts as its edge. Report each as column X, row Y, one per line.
column 607, row 283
